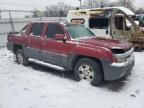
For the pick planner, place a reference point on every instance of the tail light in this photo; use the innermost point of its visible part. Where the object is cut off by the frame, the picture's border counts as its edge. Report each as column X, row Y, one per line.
column 9, row 37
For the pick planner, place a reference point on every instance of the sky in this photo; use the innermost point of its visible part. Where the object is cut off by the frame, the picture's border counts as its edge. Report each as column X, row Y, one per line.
column 30, row 4
column 40, row 4
column 137, row 3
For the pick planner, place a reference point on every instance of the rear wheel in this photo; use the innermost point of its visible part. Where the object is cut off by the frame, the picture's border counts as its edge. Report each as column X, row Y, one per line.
column 20, row 57
column 90, row 70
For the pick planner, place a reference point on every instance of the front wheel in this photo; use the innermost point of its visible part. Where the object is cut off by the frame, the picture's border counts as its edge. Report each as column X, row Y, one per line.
column 90, row 70
column 20, row 57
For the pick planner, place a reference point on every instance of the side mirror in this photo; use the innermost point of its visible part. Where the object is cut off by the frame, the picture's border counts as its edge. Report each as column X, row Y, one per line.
column 137, row 22
column 60, row 37
column 128, row 26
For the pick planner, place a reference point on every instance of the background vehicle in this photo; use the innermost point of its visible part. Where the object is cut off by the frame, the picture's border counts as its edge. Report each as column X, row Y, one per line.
column 75, row 48
column 110, row 22
column 138, row 19
column 141, row 16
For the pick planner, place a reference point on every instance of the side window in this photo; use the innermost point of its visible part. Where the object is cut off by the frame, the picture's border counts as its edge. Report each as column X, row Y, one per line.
column 98, row 23
column 37, row 29
column 119, row 23
column 23, row 30
column 53, row 29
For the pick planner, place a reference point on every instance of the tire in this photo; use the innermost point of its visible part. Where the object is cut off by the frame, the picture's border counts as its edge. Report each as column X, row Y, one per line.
column 20, row 57
column 90, row 70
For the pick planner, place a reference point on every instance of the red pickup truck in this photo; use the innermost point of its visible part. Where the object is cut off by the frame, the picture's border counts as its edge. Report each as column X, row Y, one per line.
column 73, row 47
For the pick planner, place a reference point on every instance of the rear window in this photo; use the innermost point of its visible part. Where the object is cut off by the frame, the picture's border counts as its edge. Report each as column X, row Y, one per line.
column 24, row 29
column 37, row 29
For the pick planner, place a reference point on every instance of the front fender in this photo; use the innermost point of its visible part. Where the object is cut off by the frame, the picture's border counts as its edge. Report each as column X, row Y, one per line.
column 94, row 51
column 99, row 53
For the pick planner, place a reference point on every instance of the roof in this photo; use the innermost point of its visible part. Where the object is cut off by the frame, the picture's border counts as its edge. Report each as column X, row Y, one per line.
column 44, row 21
column 124, row 9
column 62, row 23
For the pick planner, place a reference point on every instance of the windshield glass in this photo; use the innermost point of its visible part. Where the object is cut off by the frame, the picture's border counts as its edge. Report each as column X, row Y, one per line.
column 139, row 19
column 79, row 31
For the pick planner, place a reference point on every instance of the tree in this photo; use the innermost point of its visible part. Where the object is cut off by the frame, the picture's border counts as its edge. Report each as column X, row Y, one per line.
column 127, row 3
column 59, row 10
column 95, row 3
column 140, row 11
column 36, row 13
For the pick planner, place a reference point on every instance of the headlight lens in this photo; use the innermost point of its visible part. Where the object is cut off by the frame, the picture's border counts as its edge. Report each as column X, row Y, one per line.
column 121, row 59
column 121, row 55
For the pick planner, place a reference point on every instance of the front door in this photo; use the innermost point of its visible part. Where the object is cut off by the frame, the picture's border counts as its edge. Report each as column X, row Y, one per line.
column 122, row 27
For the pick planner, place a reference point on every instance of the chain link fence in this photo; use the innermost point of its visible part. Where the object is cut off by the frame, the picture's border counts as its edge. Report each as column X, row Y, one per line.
column 15, row 24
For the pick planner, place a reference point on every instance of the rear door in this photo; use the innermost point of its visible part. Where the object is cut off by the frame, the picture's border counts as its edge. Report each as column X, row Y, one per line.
column 34, row 40
column 55, row 51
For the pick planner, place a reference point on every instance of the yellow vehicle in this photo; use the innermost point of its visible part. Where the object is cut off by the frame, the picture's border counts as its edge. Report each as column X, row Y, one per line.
column 110, row 22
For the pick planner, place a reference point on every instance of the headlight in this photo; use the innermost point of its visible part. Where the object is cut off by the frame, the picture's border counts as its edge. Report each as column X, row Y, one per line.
column 121, row 59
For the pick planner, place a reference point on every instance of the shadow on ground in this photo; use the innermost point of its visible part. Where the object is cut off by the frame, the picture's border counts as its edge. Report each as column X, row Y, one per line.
column 61, row 73
column 115, row 86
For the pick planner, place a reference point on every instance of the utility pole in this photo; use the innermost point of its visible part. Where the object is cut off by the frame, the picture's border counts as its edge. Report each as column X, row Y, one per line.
column 80, row 3
column 0, row 14
column 125, row 3
column 91, row 2
column 11, row 21
column 100, row 3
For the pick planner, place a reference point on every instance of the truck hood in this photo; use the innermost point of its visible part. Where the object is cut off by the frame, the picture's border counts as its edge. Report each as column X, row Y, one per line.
column 107, row 43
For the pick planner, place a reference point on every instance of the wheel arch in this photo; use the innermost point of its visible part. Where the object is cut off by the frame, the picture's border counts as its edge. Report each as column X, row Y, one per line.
column 16, row 47
column 76, row 58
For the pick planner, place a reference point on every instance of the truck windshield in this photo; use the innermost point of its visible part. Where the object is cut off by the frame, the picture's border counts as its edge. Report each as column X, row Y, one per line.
column 79, row 31
column 138, row 18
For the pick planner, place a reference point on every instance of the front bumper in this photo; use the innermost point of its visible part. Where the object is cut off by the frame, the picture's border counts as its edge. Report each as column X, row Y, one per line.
column 116, row 71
